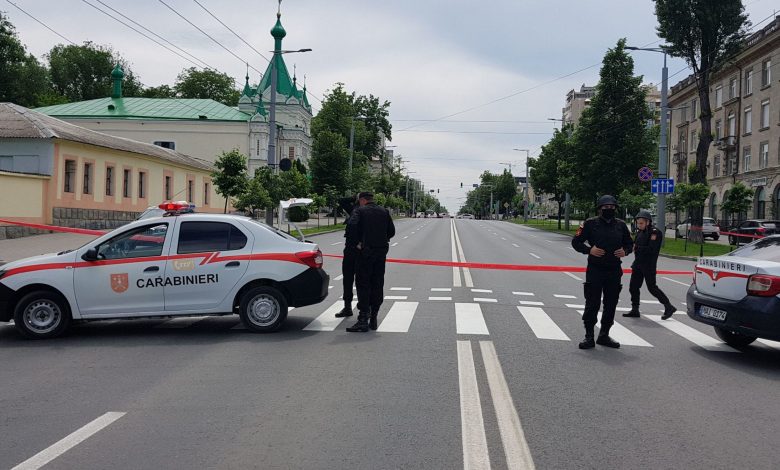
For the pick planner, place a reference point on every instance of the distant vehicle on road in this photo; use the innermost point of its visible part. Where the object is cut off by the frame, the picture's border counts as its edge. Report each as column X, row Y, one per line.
column 739, row 293
column 754, row 227
column 709, row 228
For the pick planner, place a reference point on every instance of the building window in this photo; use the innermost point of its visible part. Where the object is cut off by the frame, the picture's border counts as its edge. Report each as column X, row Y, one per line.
column 718, row 132
column 190, row 191
column 748, row 120
column 684, row 115
column 165, row 144
column 766, row 73
column 109, row 181
column 70, row 175
column 763, row 155
column 718, row 96
column 167, row 188
column 746, row 159
column 732, row 124
column 126, row 183
column 141, row 185
column 87, row 187
column 291, row 153
column 206, row 193
column 693, row 109
column 749, row 82
column 764, row 114
column 716, row 166
column 733, row 88
column 257, row 148
column 694, row 141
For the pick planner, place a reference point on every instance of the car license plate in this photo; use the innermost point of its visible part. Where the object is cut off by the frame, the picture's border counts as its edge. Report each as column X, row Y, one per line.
column 714, row 313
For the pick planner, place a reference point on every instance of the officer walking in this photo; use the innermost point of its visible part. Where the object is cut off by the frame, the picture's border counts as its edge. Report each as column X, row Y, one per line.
column 605, row 239
column 646, row 248
column 372, row 229
column 349, row 261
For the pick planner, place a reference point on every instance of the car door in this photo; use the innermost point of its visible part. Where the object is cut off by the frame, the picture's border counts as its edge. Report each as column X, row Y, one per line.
column 124, row 278
column 208, row 259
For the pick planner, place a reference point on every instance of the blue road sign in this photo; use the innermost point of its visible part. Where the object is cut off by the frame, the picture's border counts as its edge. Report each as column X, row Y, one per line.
column 645, row 174
column 662, row 186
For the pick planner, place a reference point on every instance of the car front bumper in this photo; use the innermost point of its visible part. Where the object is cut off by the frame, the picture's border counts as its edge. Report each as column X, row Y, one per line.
column 308, row 288
column 751, row 316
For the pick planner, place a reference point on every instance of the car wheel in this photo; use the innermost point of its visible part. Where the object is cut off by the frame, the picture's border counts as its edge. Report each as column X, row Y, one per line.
column 715, row 237
column 42, row 314
column 732, row 338
column 263, row 309
column 677, row 233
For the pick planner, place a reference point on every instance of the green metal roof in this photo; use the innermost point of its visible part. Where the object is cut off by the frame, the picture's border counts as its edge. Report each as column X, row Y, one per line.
column 181, row 109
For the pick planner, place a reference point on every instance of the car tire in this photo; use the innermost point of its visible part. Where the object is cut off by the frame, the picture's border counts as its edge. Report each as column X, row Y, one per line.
column 715, row 237
column 677, row 233
column 42, row 314
column 732, row 338
column 263, row 309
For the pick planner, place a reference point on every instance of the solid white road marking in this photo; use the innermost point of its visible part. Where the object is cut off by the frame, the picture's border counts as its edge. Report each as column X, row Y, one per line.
column 68, row 442
column 441, row 289
column 454, row 250
column 623, row 335
column 396, row 297
column 518, row 455
column 337, row 243
column 466, row 272
column 542, row 325
column 535, row 255
column 339, row 277
column 327, row 320
column 563, row 296
column 691, row 334
column 400, row 288
column 675, row 281
column 572, row 276
column 469, row 320
column 524, row 293
column 399, row 318
column 529, row 302
column 472, row 425
column 515, row 245
column 483, row 299
column 482, row 291
column 181, row 322
column 439, row 298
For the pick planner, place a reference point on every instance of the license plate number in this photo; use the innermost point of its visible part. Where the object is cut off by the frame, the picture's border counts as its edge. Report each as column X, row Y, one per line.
column 714, row 313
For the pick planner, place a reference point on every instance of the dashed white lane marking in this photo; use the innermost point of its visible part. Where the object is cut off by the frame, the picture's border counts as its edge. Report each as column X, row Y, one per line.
column 394, row 244
column 541, row 324
column 441, row 289
column 532, row 236
column 515, row 245
column 518, row 455
column 503, row 238
column 469, row 319
column 694, row 336
column 654, row 302
column 330, row 287
column 439, row 298
column 572, row 276
column 327, row 320
column 337, row 243
column 482, row 291
column 486, row 300
column 472, row 425
column 339, row 277
column 564, row 296
column 68, row 442
column 535, row 255
column 529, row 302
column 396, row 297
column 685, row 304
column 623, row 335
column 676, row 282
column 399, row 318
column 181, row 322
column 549, row 241
column 400, row 288
column 529, row 294
column 406, row 237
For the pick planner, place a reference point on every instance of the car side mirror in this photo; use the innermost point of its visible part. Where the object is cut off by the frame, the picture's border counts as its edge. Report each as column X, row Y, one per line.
column 90, row 255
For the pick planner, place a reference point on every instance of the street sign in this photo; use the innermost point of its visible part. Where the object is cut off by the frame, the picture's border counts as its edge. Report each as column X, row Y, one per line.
column 506, row 204
column 662, row 186
column 645, row 174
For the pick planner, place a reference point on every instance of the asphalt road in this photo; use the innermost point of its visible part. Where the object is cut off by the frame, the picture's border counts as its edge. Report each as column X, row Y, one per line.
column 474, row 368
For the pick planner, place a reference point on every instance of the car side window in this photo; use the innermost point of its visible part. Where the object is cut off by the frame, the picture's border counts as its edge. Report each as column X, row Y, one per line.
column 137, row 243
column 200, row 237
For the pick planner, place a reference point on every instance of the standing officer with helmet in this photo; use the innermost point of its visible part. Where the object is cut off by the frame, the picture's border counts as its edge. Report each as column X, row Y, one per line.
column 351, row 253
column 372, row 229
column 605, row 239
column 646, row 248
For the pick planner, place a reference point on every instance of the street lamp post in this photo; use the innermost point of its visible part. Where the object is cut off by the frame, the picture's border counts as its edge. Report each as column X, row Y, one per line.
column 527, row 184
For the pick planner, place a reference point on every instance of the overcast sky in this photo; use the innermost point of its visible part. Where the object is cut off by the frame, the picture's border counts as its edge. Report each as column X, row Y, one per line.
column 430, row 58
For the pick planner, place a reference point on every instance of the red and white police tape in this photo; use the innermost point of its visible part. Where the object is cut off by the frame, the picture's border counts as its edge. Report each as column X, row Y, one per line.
column 419, row 262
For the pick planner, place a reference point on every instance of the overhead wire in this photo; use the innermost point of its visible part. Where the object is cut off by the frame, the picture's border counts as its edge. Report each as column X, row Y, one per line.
column 41, row 22
column 231, row 30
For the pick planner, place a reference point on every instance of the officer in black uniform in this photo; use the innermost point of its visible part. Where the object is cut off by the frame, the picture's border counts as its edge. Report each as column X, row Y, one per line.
column 605, row 239
column 646, row 248
column 349, row 262
column 372, row 230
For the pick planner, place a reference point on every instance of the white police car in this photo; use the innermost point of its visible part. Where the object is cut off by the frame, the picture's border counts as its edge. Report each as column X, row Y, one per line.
column 177, row 265
column 739, row 293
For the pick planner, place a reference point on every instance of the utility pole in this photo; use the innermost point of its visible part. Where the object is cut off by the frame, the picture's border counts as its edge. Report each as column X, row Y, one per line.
column 527, row 184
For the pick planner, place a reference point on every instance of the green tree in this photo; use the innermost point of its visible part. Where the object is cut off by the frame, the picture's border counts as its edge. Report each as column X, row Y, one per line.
column 706, row 34
column 162, row 91
column 206, row 84
column 83, row 72
column 329, row 162
column 549, row 173
column 293, row 183
column 376, row 123
column 613, row 140
column 230, row 178
column 738, row 201
column 635, row 199
column 254, row 198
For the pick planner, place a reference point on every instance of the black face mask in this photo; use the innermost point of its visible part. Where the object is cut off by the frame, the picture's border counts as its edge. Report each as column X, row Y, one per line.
column 608, row 214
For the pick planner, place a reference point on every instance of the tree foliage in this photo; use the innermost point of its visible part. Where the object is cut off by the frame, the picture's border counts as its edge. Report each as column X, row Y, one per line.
column 329, row 162
column 738, row 201
column 230, row 178
column 206, row 84
column 551, row 172
column 254, row 197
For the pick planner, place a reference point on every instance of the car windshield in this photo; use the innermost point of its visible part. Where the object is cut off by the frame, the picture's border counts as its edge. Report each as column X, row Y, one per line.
column 771, row 224
column 707, row 220
column 766, row 249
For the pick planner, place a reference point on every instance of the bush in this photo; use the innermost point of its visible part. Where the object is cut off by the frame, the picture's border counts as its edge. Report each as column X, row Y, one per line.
column 298, row 214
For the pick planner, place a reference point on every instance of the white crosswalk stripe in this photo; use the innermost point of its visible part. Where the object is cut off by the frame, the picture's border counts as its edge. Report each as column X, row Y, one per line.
column 530, row 302
column 469, row 319
column 541, row 324
column 327, row 321
column 691, row 334
column 624, row 336
column 399, row 318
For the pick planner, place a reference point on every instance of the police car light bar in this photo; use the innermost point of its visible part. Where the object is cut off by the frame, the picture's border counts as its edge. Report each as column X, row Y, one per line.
column 177, row 207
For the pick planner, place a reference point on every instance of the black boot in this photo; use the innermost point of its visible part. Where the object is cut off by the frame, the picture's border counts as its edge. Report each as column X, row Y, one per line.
column 634, row 313
column 588, row 342
column 372, row 322
column 605, row 340
column 345, row 312
column 668, row 312
column 362, row 324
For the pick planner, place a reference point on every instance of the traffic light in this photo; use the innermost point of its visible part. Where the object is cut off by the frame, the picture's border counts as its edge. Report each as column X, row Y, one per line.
column 438, row 191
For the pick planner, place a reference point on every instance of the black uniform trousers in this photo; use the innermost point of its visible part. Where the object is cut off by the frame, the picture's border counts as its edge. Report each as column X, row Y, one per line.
column 601, row 280
column 348, row 268
column 370, row 280
column 645, row 272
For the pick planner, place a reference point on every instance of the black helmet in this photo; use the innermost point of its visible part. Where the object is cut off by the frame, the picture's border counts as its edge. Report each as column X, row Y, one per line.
column 606, row 199
column 643, row 214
